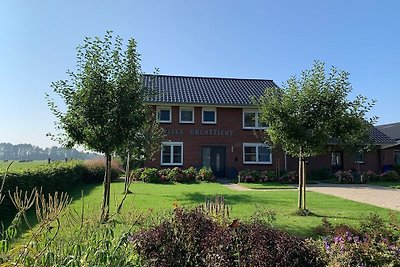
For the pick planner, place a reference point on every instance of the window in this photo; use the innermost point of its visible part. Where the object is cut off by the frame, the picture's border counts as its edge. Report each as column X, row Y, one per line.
column 172, row 153
column 251, row 120
column 186, row 115
column 396, row 154
column 164, row 114
column 359, row 157
column 209, row 116
column 336, row 158
column 256, row 153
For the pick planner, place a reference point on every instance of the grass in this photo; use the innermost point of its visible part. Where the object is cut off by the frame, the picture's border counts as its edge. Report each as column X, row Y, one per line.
column 391, row 184
column 268, row 185
column 21, row 165
column 162, row 198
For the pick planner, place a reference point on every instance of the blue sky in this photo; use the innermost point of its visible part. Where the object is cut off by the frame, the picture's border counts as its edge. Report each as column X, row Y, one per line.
column 244, row 39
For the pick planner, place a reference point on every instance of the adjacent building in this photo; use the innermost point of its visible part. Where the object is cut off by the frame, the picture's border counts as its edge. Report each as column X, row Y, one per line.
column 214, row 122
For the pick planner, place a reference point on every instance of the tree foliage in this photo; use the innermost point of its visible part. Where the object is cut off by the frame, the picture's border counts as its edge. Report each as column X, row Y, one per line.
column 103, row 99
column 307, row 114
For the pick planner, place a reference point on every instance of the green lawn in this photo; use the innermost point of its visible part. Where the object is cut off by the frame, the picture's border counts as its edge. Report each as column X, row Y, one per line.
column 20, row 165
column 159, row 198
column 395, row 185
column 268, row 185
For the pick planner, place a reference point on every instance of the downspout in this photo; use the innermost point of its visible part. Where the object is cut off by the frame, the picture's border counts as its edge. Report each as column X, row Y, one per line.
column 285, row 162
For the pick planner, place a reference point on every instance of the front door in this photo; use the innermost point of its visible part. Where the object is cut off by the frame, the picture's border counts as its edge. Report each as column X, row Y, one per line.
column 215, row 157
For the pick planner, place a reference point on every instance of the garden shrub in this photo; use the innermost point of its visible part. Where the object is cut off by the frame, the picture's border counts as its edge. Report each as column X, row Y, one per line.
column 150, row 175
column 57, row 176
column 205, row 174
column 371, row 176
column 289, row 177
column 95, row 170
column 190, row 238
column 251, row 176
column 345, row 176
column 190, row 174
column 374, row 243
column 176, row 174
column 389, row 176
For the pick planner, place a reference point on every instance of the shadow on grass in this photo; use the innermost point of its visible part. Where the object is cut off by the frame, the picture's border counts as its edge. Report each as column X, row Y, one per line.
column 230, row 199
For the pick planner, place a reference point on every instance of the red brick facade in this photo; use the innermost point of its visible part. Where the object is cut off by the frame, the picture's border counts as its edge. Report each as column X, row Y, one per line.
column 227, row 133
column 229, row 136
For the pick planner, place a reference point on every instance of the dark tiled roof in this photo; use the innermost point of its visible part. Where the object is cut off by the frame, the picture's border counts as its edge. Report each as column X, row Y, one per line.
column 205, row 90
column 392, row 130
column 379, row 137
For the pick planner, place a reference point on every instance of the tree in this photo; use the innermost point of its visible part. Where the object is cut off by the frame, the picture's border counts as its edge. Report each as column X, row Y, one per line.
column 143, row 146
column 103, row 99
column 307, row 114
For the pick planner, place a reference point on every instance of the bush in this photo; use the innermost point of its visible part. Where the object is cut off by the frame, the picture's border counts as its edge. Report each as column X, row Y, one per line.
column 190, row 174
column 205, row 174
column 345, row 177
column 95, row 170
column 176, row 175
column 373, row 244
column 150, row 175
column 289, row 177
column 57, row 176
column 371, row 176
column 251, row 176
column 389, row 176
column 191, row 238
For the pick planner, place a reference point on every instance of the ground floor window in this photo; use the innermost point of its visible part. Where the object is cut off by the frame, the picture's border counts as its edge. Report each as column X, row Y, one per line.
column 172, row 153
column 254, row 153
column 396, row 154
column 359, row 158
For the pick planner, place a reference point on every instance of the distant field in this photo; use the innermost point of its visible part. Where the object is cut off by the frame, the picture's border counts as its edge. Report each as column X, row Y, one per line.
column 21, row 165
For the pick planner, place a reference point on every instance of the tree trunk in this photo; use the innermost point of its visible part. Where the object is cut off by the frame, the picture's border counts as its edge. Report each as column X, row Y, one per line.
column 300, row 200
column 304, row 183
column 127, row 173
column 106, row 194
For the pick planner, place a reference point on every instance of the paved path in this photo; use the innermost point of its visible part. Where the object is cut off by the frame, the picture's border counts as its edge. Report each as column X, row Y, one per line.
column 375, row 195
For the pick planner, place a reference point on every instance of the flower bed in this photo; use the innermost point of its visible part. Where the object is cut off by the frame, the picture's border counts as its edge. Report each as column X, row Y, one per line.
column 259, row 176
column 190, row 175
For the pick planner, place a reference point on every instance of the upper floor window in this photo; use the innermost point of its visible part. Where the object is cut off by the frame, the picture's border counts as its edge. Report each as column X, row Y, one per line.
column 164, row 114
column 209, row 116
column 251, row 120
column 172, row 154
column 186, row 115
column 255, row 153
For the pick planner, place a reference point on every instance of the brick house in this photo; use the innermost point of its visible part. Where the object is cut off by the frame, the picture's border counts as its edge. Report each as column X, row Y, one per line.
column 393, row 131
column 213, row 122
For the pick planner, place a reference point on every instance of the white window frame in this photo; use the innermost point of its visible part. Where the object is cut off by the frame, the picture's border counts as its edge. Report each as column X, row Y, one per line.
column 363, row 158
column 186, row 109
column 256, row 118
column 209, row 109
column 171, row 162
column 159, row 108
column 256, row 145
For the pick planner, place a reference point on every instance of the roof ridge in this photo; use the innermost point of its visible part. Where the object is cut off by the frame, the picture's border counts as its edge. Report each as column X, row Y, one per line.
column 208, row 77
column 387, row 124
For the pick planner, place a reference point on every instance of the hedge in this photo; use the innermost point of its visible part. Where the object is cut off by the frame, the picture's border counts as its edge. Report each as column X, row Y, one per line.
column 57, row 176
